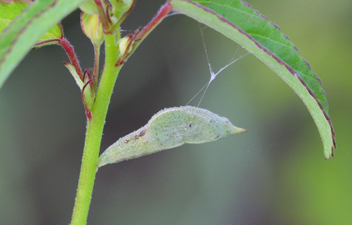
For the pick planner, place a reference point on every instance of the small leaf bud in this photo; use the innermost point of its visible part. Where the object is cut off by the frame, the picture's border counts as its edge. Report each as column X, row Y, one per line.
column 92, row 28
column 125, row 45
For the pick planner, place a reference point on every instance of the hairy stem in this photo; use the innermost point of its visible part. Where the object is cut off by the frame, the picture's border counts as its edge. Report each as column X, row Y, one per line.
column 96, row 65
column 72, row 55
column 97, row 117
column 94, row 133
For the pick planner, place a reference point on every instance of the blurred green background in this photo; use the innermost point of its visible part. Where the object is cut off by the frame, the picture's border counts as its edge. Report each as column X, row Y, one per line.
column 274, row 174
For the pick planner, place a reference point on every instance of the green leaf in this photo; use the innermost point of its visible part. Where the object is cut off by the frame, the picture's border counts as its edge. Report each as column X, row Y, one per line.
column 238, row 21
column 51, row 37
column 27, row 28
column 10, row 10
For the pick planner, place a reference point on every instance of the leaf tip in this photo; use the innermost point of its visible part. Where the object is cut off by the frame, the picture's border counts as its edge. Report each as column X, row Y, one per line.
column 329, row 153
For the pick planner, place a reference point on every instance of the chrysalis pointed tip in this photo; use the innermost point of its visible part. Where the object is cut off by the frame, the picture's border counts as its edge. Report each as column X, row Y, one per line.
column 237, row 130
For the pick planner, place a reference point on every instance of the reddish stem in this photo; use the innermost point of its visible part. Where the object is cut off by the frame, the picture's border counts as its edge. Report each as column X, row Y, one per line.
column 86, row 73
column 126, row 13
column 104, row 16
column 88, row 112
column 165, row 9
column 72, row 55
column 51, row 41
column 139, row 35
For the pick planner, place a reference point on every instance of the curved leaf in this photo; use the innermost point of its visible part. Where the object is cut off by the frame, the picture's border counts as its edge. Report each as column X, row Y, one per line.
column 10, row 10
column 21, row 35
column 240, row 22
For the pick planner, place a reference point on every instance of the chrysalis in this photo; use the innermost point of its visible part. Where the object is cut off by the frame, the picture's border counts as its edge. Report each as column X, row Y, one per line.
column 167, row 129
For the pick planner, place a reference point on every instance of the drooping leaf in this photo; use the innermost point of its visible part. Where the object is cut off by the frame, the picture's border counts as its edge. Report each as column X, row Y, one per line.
column 28, row 27
column 238, row 21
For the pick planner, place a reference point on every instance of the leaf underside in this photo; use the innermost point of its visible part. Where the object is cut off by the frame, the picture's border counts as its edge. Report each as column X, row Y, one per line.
column 238, row 21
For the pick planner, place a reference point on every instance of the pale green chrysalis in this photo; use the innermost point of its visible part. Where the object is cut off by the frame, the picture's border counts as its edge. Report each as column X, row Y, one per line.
column 167, row 129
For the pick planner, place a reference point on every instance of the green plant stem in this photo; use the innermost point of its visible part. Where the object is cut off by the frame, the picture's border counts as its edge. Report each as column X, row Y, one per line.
column 94, row 132
column 96, row 65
